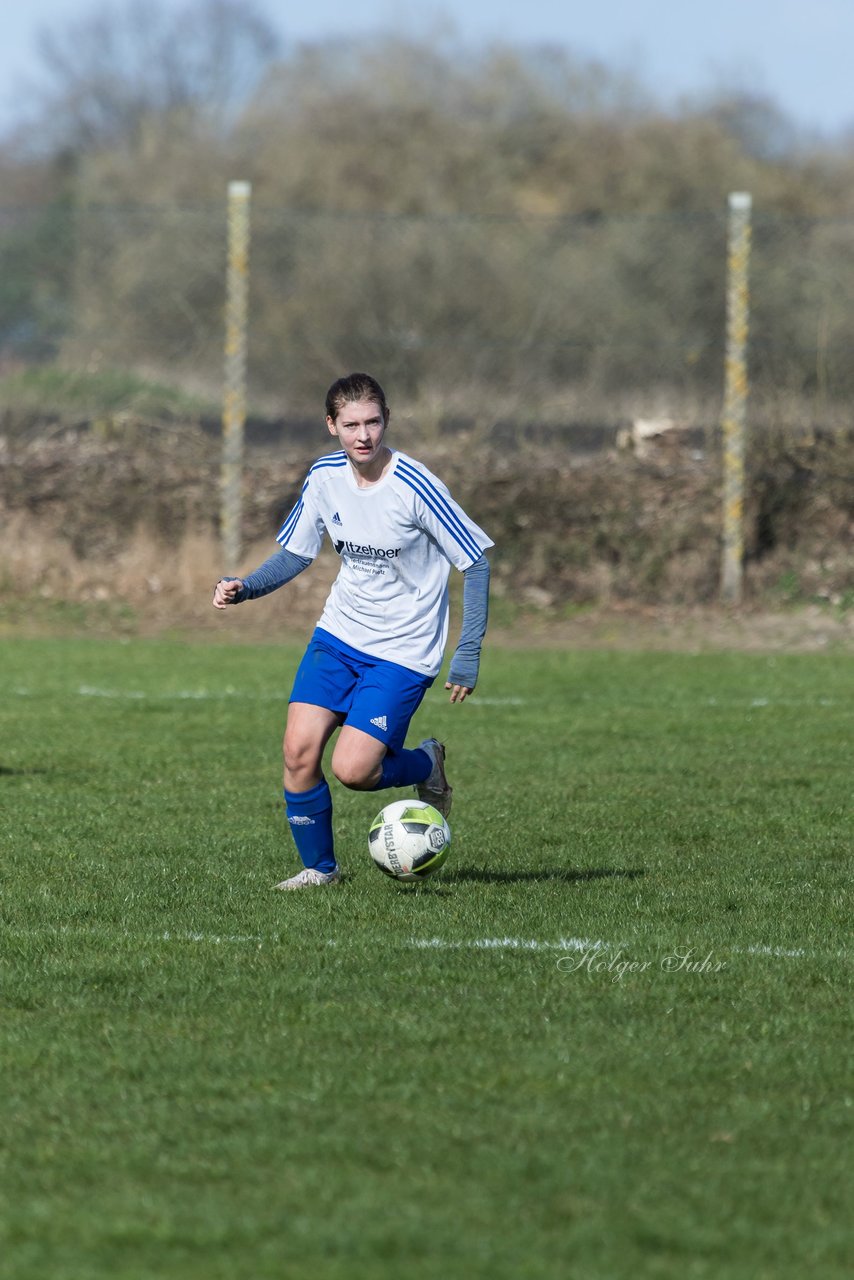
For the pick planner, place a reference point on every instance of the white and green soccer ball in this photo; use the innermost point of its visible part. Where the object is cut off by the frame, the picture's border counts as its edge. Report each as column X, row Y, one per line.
column 409, row 840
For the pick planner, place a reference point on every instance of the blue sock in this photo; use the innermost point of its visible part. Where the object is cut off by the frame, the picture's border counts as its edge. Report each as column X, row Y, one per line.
column 404, row 769
column 309, row 814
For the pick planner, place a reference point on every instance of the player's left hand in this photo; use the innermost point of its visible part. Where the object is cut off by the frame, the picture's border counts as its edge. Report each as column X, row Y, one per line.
column 459, row 692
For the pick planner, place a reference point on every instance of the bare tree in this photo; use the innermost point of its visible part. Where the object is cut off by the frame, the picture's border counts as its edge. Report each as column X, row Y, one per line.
column 108, row 72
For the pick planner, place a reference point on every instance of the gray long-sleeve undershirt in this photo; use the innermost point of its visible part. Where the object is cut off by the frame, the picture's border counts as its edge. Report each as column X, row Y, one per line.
column 465, row 663
column 281, row 567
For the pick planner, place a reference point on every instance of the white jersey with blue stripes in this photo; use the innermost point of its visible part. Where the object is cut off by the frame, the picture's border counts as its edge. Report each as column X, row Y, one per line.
column 397, row 540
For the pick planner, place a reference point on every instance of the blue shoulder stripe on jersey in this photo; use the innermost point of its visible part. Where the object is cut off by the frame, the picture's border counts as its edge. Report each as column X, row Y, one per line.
column 290, row 523
column 443, row 512
column 330, row 460
column 440, row 507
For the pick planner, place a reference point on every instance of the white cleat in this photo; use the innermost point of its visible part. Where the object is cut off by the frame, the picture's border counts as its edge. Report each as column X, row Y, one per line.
column 435, row 788
column 309, row 877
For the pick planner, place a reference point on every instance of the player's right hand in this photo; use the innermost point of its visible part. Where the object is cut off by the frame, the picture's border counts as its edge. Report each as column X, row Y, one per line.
column 225, row 591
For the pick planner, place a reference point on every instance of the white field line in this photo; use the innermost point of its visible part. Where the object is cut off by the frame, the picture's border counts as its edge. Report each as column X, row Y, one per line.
column 92, row 691
column 180, row 695
column 510, row 944
column 583, row 945
column 219, row 695
column 480, row 700
column 174, row 695
column 217, row 939
column 477, row 700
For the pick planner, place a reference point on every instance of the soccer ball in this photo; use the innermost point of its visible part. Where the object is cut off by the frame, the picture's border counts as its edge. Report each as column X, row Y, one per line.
column 409, row 840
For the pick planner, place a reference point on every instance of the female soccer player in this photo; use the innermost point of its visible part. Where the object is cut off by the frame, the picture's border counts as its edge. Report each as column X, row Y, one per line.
column 379, row 643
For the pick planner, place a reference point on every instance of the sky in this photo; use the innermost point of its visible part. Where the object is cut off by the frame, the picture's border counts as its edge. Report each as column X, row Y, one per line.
column 798, row 52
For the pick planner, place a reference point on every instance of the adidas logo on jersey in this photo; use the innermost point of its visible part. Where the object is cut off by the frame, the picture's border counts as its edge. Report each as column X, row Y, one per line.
column 381, row 722
column 336, row 519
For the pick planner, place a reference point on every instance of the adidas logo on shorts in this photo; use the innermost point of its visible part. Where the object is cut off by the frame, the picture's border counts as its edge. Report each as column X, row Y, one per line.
column 380, row 722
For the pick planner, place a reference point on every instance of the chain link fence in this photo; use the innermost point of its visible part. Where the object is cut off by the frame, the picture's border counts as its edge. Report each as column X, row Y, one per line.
column 570, row 320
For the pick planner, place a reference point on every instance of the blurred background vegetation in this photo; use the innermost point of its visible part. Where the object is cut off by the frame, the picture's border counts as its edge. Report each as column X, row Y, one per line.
column 503, row 234
column 522, row 245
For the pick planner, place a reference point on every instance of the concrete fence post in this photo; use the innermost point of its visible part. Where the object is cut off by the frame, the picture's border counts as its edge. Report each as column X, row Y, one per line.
column 734, row 418
column 234, row 394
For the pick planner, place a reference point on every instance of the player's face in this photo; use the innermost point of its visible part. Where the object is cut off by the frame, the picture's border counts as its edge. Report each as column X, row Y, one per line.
column 360, row 427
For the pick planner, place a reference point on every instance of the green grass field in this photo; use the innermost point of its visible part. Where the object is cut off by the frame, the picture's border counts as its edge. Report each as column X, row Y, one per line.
column 612, row 1040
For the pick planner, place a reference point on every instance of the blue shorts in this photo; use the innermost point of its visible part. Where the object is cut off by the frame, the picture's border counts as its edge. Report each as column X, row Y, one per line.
column 378, row 697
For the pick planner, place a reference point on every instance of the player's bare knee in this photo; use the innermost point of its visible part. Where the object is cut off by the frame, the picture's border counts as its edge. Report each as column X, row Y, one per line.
column 356, row 774
column 300, row 758
column 349, row 776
